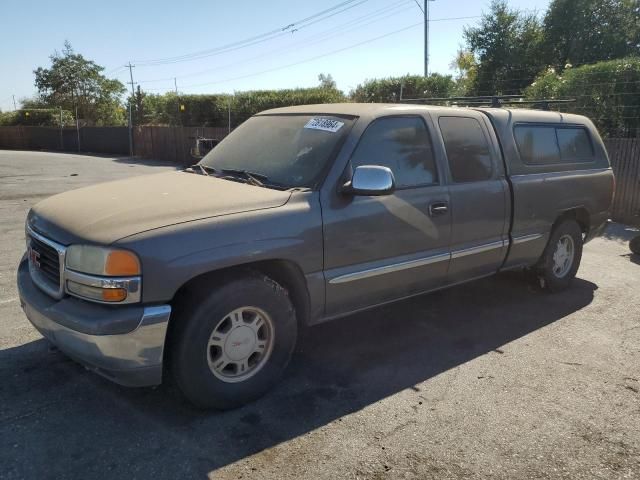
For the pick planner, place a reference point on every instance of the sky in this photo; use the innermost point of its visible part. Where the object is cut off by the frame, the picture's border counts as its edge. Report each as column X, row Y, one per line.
column 362, row 39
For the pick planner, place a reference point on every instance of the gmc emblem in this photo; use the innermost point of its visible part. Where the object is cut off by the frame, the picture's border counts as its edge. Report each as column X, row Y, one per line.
column 34, row 256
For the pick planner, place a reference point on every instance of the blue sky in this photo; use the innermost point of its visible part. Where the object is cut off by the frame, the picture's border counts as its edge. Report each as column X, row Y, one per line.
column 344, row 44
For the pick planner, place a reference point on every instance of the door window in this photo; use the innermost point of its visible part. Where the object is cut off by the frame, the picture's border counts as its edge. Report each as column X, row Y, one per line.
column 467, row 149
column 401, row 143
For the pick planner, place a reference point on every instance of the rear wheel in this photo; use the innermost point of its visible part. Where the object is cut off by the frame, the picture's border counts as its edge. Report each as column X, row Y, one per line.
column 561, row 258
column 233, row 343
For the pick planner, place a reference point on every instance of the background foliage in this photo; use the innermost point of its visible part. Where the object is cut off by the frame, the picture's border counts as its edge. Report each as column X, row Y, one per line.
column 606, row 92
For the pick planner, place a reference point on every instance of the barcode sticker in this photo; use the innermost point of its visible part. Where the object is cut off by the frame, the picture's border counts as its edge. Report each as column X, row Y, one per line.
column 325, row 124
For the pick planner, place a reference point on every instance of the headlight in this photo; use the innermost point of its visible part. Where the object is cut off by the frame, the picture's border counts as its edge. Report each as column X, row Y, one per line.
column 102, row 274
column 102, row 261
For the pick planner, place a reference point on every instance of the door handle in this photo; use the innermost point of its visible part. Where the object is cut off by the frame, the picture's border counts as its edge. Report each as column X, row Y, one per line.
column 438, row 208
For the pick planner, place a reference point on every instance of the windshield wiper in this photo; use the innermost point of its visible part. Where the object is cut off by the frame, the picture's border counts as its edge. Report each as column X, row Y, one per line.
column 253, row 178
column 204, row 169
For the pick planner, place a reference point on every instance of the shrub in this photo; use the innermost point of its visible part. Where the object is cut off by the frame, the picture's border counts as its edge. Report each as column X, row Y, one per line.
column 42, row 117
column 413, row 86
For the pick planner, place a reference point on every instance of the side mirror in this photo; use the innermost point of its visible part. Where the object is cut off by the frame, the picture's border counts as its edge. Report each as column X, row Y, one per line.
column 371, row 180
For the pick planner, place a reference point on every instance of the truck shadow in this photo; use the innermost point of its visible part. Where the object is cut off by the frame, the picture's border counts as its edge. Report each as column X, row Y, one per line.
column 64, row 419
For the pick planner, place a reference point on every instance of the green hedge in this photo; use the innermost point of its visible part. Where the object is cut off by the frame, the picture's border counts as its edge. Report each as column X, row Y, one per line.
column 40, row 117
column 607, row 92
column 413, row 86
column 212, row 110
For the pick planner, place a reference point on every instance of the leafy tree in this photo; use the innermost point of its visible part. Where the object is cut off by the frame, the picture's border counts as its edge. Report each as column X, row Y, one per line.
column 507, row 47
column 412, row 86
column 466, row 66
column 327, row 81
column 138, row 102
column 73, row 81
column 588, row 31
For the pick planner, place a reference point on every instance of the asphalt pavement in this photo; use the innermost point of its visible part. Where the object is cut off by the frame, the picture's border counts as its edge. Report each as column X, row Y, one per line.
column 494, row 379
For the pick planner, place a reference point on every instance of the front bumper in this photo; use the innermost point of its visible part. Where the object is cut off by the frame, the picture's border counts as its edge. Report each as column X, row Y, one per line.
column 127, row 350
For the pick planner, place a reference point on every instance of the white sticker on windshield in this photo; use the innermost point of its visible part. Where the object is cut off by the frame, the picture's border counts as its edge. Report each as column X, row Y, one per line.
column 325, row 124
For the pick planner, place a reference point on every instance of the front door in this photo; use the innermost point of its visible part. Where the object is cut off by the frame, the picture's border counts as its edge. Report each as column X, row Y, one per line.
column 385, row 248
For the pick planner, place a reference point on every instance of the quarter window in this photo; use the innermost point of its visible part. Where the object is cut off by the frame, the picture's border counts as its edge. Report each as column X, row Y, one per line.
column 537, row 145
column 574, row 144
column 548, row 145
column 401, row 144
column 467, row 149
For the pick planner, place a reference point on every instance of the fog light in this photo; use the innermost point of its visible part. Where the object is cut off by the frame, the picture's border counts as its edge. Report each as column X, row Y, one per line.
column 96, row 293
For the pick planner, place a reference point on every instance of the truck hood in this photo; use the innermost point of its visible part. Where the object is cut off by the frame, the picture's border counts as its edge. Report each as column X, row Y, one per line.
column 110, row 211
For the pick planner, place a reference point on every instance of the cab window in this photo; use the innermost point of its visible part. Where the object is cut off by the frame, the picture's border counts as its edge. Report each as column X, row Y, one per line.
column 403, row 145
column 467, row 149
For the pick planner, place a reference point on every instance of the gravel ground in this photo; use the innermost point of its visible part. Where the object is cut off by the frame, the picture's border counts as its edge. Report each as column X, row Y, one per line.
column 494, row 379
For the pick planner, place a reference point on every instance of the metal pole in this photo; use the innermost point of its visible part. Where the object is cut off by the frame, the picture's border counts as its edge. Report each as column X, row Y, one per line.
column 130, row 112
column 78, row 127
column 426, row 38
column 61, row 133
column 229, row 105
column 14, row 103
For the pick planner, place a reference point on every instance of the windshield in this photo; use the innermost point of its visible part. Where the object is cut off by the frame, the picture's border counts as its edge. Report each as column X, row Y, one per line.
column 286, row 150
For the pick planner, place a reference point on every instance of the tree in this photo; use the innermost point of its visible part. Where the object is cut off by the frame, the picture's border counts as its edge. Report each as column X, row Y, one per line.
column 138, row 106
column 327, row 81
column 75, row 82
column 466, row 66
column 588, row 31
column 507, row 47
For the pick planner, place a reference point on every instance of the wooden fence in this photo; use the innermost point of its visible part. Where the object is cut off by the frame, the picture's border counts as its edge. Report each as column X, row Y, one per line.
column 624, row 154
column 173, row 144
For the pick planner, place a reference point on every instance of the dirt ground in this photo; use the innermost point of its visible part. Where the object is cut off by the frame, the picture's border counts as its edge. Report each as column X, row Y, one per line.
column 493, row 379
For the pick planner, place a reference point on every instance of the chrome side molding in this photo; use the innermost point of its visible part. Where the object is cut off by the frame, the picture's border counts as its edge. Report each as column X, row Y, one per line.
column 396, row 267
column 479, row 249
column 527, row 238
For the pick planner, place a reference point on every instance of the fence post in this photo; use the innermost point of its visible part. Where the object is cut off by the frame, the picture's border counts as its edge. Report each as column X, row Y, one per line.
column 61, row 133
column 78, row 127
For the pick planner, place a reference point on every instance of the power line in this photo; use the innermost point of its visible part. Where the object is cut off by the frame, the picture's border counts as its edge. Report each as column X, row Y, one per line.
column 312, row 40
column 309, row 59
column 322, row 37
column 288, row 29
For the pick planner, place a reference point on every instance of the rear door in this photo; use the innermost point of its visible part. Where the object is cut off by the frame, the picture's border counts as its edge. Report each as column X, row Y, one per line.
column 384, row 248
column 480, row 201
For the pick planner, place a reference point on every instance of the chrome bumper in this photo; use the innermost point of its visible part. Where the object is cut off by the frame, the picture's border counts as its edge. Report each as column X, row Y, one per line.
column 132, row 359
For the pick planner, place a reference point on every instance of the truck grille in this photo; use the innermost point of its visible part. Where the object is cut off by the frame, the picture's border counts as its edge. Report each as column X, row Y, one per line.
column 48, row 263
column 45, row 263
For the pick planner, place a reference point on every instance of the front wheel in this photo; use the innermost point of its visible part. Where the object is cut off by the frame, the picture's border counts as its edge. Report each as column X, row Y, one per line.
column 634, row 245
column 561, row 258
column 233, row 343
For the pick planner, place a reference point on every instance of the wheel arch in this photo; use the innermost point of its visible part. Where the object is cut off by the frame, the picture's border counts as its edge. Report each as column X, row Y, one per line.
column 286, row 273
column 579, row 214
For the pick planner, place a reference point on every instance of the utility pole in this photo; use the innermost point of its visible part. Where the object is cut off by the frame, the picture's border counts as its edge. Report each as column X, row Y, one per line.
column 229, row 105
column 426, row 37
column 14, row 103
column 130, row 110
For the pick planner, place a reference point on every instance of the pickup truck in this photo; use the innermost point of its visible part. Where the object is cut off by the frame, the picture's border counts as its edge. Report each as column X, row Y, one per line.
column 299, row 216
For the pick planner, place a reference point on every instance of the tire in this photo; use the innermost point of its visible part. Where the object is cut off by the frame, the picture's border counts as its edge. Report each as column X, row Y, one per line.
column 561, row 257
column 221, row 326
column 634, row 245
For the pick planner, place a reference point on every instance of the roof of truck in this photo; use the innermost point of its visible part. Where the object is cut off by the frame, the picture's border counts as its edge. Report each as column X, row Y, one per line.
column 380, row 109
